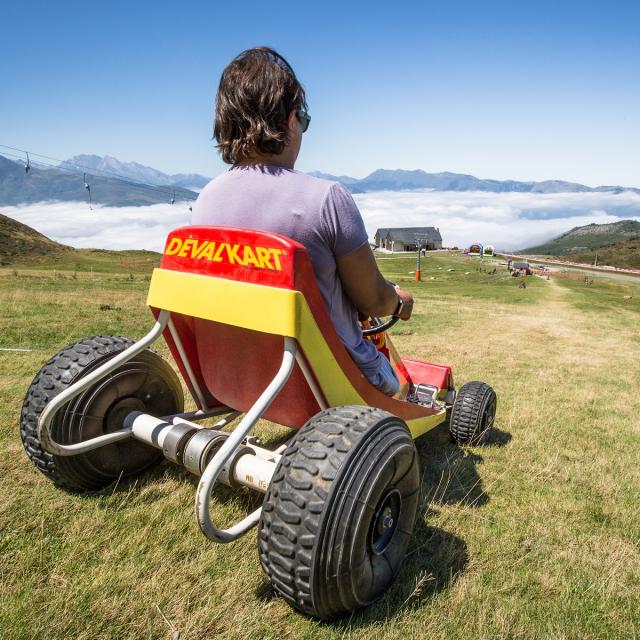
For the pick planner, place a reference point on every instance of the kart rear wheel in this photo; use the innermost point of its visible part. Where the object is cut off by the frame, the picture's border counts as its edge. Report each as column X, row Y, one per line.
column 144, row 383
column 340, row 509
column 473, row 413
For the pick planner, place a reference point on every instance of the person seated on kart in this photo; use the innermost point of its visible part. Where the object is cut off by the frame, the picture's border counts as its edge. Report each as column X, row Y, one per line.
column 260, row 116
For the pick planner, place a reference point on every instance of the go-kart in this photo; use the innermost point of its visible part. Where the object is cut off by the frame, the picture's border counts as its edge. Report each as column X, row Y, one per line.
column 250, row 334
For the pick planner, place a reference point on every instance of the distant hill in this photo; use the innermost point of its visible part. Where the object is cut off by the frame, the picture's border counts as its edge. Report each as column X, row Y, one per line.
column 403, row 180
column 39, row 185
column 581, row 240
column 347, row 181
column 625, row 254
column 22, row 246
column 135, row 171
column 18, row 241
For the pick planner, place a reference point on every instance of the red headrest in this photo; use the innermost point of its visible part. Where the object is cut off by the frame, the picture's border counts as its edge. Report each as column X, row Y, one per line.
column 233, row 253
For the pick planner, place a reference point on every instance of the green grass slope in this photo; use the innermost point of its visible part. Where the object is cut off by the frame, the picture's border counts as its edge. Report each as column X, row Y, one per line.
column 25, row 248
column 102, row 260
column 534, row 536
column 591, row 236
column 20, row 242
column 625, row 254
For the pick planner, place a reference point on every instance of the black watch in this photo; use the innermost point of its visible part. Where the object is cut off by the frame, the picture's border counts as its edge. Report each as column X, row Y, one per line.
column 398, row 311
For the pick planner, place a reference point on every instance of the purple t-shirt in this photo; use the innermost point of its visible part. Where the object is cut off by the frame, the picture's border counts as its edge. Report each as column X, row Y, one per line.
column 319, row 214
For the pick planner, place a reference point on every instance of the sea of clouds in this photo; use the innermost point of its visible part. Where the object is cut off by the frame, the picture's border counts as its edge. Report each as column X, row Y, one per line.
column 506, row 220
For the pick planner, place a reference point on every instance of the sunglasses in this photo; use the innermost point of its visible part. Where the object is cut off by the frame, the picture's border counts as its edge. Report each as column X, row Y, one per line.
column 303, row 118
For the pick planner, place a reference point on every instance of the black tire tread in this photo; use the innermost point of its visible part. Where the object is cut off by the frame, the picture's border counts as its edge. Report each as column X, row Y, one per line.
column 62, row 370
column 466, row 413
column 293, row 507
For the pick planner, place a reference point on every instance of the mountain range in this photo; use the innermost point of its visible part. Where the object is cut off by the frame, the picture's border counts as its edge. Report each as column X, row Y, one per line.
column 117, row 183
column 403, row 180
column 134, row 171
column 60, row 184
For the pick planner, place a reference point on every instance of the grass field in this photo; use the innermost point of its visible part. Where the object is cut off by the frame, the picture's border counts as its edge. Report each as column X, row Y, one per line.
column 536, row 535
column 76, row 261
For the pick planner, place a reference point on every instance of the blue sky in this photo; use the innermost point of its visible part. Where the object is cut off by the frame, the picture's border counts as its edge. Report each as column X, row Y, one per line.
column 497, row 89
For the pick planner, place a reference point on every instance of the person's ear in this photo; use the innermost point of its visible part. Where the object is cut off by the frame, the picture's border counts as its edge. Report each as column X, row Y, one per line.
column 291, row 127
column 291, row 121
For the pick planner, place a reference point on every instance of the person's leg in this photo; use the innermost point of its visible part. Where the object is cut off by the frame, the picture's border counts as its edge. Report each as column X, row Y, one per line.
column 383, row 376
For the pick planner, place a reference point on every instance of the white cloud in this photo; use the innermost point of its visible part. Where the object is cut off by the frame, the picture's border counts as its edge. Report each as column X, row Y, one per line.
column 73, row 223
column 506, row 220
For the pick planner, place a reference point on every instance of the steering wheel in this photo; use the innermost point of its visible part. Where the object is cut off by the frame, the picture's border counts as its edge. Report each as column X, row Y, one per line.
column 380, row 326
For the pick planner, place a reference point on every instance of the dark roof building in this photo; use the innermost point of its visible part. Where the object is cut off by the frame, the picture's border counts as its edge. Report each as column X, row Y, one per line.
column 408, row 238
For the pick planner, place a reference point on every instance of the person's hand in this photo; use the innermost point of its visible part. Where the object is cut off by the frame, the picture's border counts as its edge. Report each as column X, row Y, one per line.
column 407, row 306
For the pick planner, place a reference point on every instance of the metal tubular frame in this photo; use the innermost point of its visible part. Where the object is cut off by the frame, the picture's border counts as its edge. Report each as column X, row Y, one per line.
column 187, row 419
column 199, row 414
column 47, row 415
column 231, row 444
column 311, row 381
column 211, row 473
column 197, row 394
column 50, row 410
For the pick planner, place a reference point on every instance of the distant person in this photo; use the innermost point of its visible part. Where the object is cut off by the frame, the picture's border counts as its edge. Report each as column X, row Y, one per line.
column 260, row 116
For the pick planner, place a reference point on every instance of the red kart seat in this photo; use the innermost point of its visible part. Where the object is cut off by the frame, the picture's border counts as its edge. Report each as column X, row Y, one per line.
column 234, row 293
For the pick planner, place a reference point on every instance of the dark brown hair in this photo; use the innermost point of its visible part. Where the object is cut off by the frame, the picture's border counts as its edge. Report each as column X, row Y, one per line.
column 257, row 92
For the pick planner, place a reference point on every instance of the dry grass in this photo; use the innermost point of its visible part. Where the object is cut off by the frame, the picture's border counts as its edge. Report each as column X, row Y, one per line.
column 535, row 536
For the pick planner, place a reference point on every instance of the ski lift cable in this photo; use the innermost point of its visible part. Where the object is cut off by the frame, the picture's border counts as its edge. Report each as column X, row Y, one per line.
column 77, row 171
column 49, row 165
column 65, row 165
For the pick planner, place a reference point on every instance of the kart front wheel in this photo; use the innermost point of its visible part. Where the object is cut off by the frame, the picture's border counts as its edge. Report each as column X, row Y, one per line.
column 340, row 509
column 473, row 413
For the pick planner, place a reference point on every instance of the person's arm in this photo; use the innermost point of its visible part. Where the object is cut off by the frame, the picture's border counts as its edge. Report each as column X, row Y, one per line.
column 366, row 287
column 346, row 236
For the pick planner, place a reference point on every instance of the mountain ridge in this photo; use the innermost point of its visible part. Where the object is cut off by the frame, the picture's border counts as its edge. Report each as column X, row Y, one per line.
column 412, row 179
column 117, row 183
column 57, row 184
column 134, row 171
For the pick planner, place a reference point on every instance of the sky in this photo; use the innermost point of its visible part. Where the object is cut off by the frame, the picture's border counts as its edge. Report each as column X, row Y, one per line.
column 521, row 90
